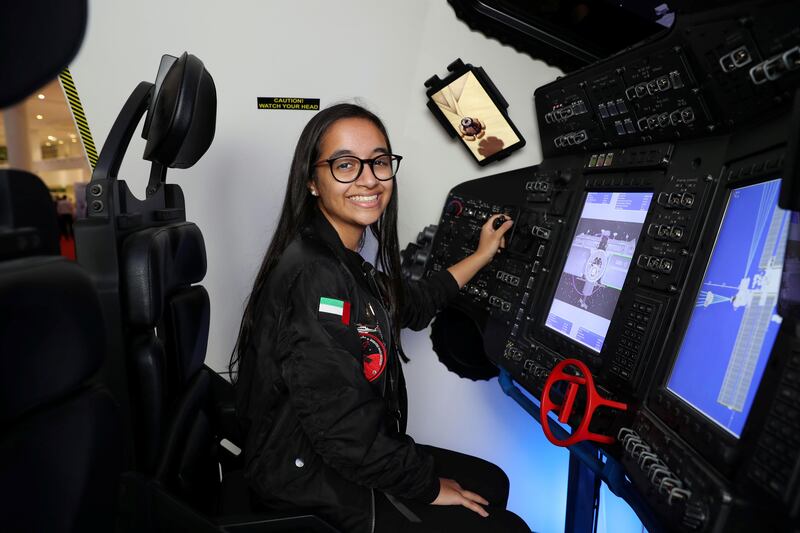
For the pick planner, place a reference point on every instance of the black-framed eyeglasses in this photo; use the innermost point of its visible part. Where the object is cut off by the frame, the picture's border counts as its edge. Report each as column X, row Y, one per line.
column 348, row 168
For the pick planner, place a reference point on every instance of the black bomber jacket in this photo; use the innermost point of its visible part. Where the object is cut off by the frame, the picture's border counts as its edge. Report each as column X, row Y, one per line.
column 321, row 390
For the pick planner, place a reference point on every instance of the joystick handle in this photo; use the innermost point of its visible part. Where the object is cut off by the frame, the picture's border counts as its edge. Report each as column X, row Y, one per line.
column 564, row 410
column 499, row 221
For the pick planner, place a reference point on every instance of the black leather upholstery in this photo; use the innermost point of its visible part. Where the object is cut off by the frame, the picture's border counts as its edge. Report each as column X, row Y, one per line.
column 188, row 463
column 36, row 366
column 182, row 120
column 156, row 262
column 186, row 323
column 168, row 321
column 59, row 469
column 149, row 390
column 60, row 450
column 28, row 223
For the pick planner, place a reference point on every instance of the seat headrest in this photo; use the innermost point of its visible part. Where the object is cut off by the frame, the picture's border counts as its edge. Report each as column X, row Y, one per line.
column 28, row 223
column 182, row 118
column 156, row 262
column 52, row 334
column 37, row 40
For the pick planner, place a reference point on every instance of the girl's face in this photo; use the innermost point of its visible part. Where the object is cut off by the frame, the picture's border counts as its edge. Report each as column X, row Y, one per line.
column 351, row 207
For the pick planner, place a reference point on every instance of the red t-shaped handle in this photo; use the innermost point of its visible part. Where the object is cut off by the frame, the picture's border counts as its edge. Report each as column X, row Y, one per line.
column 564, row 410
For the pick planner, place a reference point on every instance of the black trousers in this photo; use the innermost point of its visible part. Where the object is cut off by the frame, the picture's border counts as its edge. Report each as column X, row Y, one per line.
column 394, row 515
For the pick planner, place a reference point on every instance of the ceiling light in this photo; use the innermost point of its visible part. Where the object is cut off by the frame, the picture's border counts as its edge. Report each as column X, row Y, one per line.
column 41, row 96
column 51, row 138
column 39, row 117
column 60, row 142
column 74, row 140
column 72, row 136
column 48, row 144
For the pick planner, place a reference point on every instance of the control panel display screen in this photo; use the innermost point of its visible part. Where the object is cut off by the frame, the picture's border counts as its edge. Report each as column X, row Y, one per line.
column 597, row 264
column 790, row 285
column 734, row 321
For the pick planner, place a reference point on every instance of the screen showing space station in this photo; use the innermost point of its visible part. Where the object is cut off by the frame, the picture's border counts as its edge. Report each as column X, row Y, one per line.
column 597, row 265
column 734, row 321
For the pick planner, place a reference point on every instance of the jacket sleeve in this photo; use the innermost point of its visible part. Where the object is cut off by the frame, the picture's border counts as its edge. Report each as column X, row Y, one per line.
column 426, row 297
column 337, row 407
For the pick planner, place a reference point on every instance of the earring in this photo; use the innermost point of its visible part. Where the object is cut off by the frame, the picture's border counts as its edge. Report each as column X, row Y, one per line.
column 314, row 192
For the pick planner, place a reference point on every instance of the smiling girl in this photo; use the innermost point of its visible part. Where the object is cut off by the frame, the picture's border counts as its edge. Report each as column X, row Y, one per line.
column 320, row 389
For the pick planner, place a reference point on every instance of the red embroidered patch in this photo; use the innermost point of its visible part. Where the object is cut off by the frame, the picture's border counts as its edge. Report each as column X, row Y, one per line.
column 373, row 354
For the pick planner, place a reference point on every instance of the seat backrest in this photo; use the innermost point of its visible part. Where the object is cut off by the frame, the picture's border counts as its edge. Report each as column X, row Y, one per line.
column 167, row 321
column 28, row 223
column 60, row 449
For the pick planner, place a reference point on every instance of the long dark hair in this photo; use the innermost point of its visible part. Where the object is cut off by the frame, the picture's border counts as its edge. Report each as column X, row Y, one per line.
column 298, row 207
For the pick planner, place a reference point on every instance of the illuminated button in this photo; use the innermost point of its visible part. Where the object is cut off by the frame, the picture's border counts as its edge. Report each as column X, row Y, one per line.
column 530, row 282
column 687, row 200
column 609, row 160
column 540, row 250
column 677, row 233
column 621, row 106
column 542, row 233
column 675, row 79
column 593, row 160
column 612, row 109
column 619, row 127
column 629, row 127
column 653, row 262
column 601, row 109
column 641, row 261
column 630, row 93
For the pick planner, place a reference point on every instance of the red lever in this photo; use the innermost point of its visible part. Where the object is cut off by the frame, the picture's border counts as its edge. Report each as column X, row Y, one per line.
column 564, row 410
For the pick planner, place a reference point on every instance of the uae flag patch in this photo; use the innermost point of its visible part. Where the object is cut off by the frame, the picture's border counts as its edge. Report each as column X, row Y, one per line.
column 332, row 306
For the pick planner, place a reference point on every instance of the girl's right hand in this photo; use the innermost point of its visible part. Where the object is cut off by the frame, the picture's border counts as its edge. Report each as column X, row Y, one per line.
column 451, row 493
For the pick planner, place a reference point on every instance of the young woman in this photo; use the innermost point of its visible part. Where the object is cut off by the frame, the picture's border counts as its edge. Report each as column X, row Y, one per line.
column 320, row 387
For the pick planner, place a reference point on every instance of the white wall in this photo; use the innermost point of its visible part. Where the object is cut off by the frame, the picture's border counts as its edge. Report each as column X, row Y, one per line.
column 380, row 53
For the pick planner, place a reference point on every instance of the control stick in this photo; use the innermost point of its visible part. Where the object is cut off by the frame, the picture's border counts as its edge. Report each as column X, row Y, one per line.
column 564, row 410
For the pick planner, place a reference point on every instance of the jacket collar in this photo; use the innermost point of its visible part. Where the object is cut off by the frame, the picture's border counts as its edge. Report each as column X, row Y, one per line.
column 322, row 229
